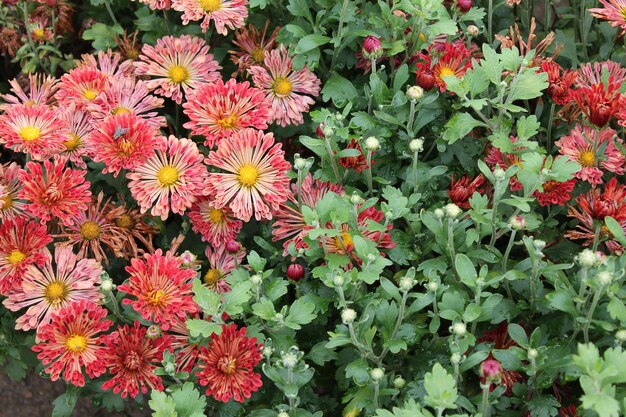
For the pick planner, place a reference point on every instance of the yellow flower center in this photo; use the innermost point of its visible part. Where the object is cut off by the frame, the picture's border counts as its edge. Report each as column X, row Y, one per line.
column 76, row 343
column 90, row 94
column 167, row 175
column 248, row 175
column 587, row 158
column 15, row 257
column 344, row 238
column 258, row 55
column 120, row 110
column 157, row 298
column 228, row 122
column 132, row 54
column 55, row 292
column 90, row 230
column 72, row 143
column 216, row 215
column 446, row 71
column 126, row 147
column 211, row 5
column 281, row 86
column 124, row 221
column 212, row 276
column 6, row 202
column 178, row 74
column 227, row 364
column 39, row 33
column 30, row 133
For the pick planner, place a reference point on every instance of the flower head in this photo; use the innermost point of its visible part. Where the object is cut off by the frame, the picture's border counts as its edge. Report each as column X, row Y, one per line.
column 226, row 366
column 79, row 126
column 110, row 63
column 162, row 288
column 462, row 189
column 41, row 90
column 559, row 81
column 157, row 4
column 614, row 11
column 215, row 225
column 594, row 73
column 177, row 65
column 186, row 352
column 229, row 14
column 81, row 86
column 11, row 206
column 221, row 264
column 130, row 222
column 284, row 87
column 454, row 60
column 71, row 342
column 555, row 192
column 253, row 46
column 357, row 163
column 599, row 103
column 255, row 181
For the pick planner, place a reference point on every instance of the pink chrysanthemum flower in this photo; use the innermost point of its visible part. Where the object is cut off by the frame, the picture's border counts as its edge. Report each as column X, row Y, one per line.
column 41, row 91
column 221, row 264
column 162, row 287
column 157, row 4
column 11, row 206
column 91, row 231
column 614, row 11
column 281, row 83
column 290, row 222
column 127, row 95
column 178, row 65
column 594, row 73
column 47, row 290
column 171, row 180
column 39, row 29
column 226, row 366
column 53, row 191
column 218, row 110
column 21, row 244
column 81, row 86
column 215, row 225
column 110, row 63
column 253, row 47
column 35, row 130
column 123, row 141
column 255, row 182
column 594, row 151
column 72, row 341
column 229, row 14
column 132, row 359
column 79, row 126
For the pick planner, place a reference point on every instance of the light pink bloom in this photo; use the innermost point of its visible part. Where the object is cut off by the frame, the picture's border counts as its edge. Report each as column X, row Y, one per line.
column 592, row 73
column 11, row 206
column 110, row 63
column 221, row 264
column 229, row 14
column 41, row 91
column 215, row 225
column 157, row 4
column 177, row 65
column 614, row 11
column 281, row 83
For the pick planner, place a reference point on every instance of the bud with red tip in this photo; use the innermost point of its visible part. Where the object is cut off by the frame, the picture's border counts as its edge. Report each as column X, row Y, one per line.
column 426, row 79
column 491, row 370
column 295, row 272
column 464, row 5
column 372, row 48
column 320, row 131
column 232, row 246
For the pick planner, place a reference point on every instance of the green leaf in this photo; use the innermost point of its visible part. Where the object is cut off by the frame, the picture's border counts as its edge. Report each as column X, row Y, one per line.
column 459, row 126
column 339, row 89
column 189, row 402
column 529, row 85
column 440, row 388
column 162, row 405
column 616, row 230
column 103, row 36
column 518, row 334
column 208, row 300
column 238, row 295
column 264, row 309
column 300, row 312
column 310, row 42
column 64, row 404
column 204, row 328
column 527, row 127
column 465, row 269
column 401, row 77
column 256, row 262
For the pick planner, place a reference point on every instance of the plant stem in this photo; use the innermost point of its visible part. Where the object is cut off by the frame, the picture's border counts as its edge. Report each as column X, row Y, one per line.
column 409, row 123
column 331, row 157
column 107, row 4
column 414, row 170
column 581, row 290
column 550, row 120
column 494, row 212
column 371, row 96
column 342, row 18
column 451, row 243
column 490, row 24
column 508, row 250
column 29, row 36
column 396, row 328
column 370, row 184
column 596, row 238
column 484, row 405
column 592, row 309
column 583, row 35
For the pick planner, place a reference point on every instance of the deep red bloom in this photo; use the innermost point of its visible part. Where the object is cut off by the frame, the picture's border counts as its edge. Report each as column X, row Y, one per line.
column 464, row 5
column 555, row 192
column 226, row 366
column 453, row 60
column 462, row 190
column 295, row 272
column 372, row 46
column 599, row 103
column 357, row 163
column 232, row 246
column 426, row 79
column 560, row 81
column 495, row 157
column 501, row 340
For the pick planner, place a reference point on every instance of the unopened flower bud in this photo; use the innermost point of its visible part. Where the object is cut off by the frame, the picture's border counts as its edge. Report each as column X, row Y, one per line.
column 282, row 414
column 267, row 351
column 232, row 246
column 416, row 145
column 459, row 329
column 439, row 213
column 153, row 332
column 490, row 369
column 319, row 131
column 187, row 258
column 452, row 210
column 328, row 131
column 372, row 47
column 426, row 79
column 339, row 117
column 289, row 360
column 620, row 335
column 432, row 286
column 371, row 257
column 348, row 316
column 295, row 272
column 539, row 244
column 455, row 358
column 532, row 353
column 464, row 5
column 338, row 280
column 299, row 163
column 372, row 144
column 107, row 285
column 377, row 374
column 499, row 173
column 517, row 222
column 587, row 258
column 414, row 93
column 170, row 368
column 406, row 284
column 356, row 199
column 256, row 279
column 472, row 31
column 604, row 277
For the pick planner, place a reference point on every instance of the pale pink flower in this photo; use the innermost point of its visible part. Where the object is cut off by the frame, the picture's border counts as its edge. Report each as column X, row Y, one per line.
column 79, row 126
column 11, row 206
column 41, row 91
column 592, row 73
column 109, row 63
column 170, row 180
column 157, row 4
column 177, row 65
column 229, row 14
column 281, row 85
column 215, row 225
column 221, row 264
column 614, row 11
column 255, row 181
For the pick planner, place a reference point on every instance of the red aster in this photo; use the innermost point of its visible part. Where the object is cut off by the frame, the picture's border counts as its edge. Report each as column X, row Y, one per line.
column 215, row 225
column 453, row 60
column 10, row 205
column 71, row 341
column 599, row 103
column 462, row 189
column 226, row 366
column 560, row 81
column 357, row 163
column 501, row 340
column 162, row 287
column 555, row 192
column 81, row 86
column 495, row 157
column 186, row 352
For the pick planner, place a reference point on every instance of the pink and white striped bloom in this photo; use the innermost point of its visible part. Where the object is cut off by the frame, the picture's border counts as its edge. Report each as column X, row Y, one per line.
column 50, row 289
column 11, row 206
column 215, row 225
column 35, row 130
column 229, row 14
column 592, row 73
column 81, row 86
column 127, row 95
column 170, row 180
column 594, row 151
column 614, row 11
column 41, row 91
column 218, row 110
column 177, row 65
column 221, row 264
column 79, row 125
column 157, row 4
column 255, row 181
column 281, row 83
column 110, row 63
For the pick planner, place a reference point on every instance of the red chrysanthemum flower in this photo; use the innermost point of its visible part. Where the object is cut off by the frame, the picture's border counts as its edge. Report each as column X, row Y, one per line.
column 593, row 150
column 221, row 264
column 53, row 191
column 285, row 87
column 71, row 342
column 131, row 358
column 593, row 73
column 162, row 287
column 495, row 157
column 253, row 46
column 178, row 64
column 41, row 90
column 453, row 60
column 357, row 163
column 123, row 141
column 592, row 208
column 500, row 339
column 555, row 193
column 569, row 411
column 559, row 81
column 255, row 182
column 599, row 103
column 215, row 225
column 462, row 189
column 290, row 222
column 614, row 11
column 21, row 245
column 170, row 180
column 11, row 206
column 218, row 110
column 81, row 86
column 229, row 14
column 157, row 4
column 226, row 366
column 33, row 129
column 49, row 289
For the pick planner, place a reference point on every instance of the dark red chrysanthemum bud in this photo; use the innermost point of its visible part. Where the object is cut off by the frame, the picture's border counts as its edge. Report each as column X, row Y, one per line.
column 464, row 5
column 426, row 80
column 372, row 48
column 490, row 369
column 295, row 272
column 232, row 246
column 320, row 131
